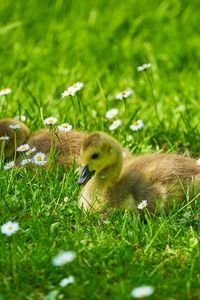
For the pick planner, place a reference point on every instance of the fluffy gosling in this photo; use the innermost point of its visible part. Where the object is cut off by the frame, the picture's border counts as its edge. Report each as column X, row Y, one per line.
column 65, row 145
column 111, row 182
column 22, row 134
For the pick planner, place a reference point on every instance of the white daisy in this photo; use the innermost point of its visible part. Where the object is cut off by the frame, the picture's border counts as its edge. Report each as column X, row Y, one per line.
column 143, row 67
column 21, row 118
column 198, row 162
column 50, row 121
column 142, row 204
column 137, row 125
column 4, row 138
column 77, row 86
column 22, row 148
column 65, row 127
column 63, row 258
column 5, row 91
column 72, row 90
column 14, row 126
column 111, row 113
column 142, row 291
column 9, row 165
column 123, row 94
column 30, row 151
column 115, row 125
column 9, row 228
column 39, row 159
column 26, row 161
column 67, row 281
column 68, row 92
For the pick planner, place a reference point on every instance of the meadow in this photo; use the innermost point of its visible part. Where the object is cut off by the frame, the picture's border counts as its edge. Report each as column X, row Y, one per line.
column 45, row 47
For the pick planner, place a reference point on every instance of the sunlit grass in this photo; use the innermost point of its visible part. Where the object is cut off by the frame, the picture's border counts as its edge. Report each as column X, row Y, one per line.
column 46, row 47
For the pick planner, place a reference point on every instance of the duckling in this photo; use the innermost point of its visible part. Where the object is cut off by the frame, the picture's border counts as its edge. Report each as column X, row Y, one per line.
column 111, row 182
column 66, row 145
column 22, row 135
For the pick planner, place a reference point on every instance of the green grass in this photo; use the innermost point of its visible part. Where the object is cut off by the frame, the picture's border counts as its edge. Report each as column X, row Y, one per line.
column 48, row 45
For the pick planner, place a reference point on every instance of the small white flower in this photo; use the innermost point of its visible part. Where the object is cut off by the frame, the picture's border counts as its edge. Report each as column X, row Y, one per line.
column 72, row 90
column 15, row 126
column 111, row 113
column 142, row 204
column 9, row 165
column 30, row 151
column 64, row 257
column 26, row 161
column 198, row 162
column 142, row 291
column 77, row 86
column 50, row 121
column 65, row 127
column 22, row 148
column 39, row 159
column 115, row 125
column 4, row 138
column 5, row 91
column 9, row 228
column 143, row 67
column 137, row 125
column 123, row 94
column 64, row 282
column 21, row 118
column 68, row 92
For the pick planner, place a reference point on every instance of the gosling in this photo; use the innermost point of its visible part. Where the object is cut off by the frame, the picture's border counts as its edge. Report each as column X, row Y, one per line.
column 110, row 181
column 7, row 135
column 66, row 146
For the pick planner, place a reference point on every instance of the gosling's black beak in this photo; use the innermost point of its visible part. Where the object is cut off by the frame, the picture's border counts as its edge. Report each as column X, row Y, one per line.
column 85, row 175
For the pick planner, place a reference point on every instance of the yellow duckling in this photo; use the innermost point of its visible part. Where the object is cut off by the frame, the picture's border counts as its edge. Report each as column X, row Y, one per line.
column 66, row 145
column 111, row 182
column 7, row 135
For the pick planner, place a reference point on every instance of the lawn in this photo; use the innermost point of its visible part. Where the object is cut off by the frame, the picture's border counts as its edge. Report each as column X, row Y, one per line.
column 46, row 46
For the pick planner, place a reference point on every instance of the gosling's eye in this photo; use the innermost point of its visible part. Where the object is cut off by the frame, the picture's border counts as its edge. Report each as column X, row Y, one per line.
column 95, row 156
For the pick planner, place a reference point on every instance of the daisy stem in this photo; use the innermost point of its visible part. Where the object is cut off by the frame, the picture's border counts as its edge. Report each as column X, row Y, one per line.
column 52, row 152
column 12, row 262
column 124, row 100
column 74, row 110
column 15, row 145
column 153, row 97
column 2, row 154
column 81, row 108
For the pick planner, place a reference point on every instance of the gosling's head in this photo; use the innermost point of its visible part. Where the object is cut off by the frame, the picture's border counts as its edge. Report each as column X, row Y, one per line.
column 99, row 151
